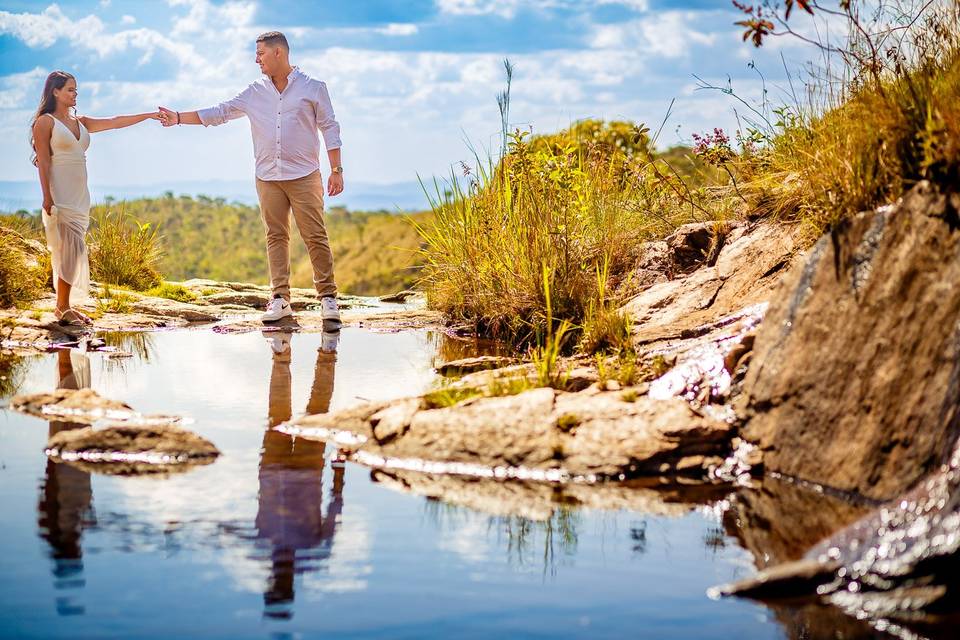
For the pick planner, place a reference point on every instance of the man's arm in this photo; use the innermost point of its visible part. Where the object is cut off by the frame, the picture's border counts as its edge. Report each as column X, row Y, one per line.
column 223, row 112
column 330, row 128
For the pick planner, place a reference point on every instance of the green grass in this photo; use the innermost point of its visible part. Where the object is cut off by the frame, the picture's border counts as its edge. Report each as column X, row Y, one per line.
column 23, row 272
column 114, row 301
column 172, row 292
column 123, row 250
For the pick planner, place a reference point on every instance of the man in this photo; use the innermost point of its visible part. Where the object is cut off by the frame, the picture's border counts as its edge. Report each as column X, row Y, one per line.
column 285, row 109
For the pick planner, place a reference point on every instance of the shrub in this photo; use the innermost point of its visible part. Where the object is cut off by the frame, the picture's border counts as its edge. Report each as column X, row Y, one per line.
column 23, row 270
column 567, row 205
column 123, row 251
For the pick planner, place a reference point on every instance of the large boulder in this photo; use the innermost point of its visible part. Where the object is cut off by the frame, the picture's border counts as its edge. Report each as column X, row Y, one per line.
column 855, row 377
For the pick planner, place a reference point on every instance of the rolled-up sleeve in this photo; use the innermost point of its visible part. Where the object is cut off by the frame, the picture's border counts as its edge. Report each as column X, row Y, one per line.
column 229, row 110
column 326, row 121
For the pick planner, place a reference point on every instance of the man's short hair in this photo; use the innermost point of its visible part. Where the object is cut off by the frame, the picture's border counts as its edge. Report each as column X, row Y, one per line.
column 274, row 39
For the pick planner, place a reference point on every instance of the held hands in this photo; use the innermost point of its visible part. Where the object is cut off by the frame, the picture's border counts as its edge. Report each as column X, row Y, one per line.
column 335, row 184
column 47, row 206
column 167, row 117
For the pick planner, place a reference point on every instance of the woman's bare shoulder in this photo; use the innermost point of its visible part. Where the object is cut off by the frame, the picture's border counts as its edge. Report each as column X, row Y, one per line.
column 43, row 124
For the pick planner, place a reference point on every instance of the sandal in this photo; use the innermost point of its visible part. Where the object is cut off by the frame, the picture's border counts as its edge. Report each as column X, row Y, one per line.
column 68, row 318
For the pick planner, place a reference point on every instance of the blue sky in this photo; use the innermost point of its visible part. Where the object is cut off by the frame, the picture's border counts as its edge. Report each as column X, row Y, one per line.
column 412, row 81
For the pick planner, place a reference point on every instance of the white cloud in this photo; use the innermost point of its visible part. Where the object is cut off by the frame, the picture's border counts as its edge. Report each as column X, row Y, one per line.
column 503, row 8
column 18, row 88
column 669, row 34
column 128, row 19
column 399, row 29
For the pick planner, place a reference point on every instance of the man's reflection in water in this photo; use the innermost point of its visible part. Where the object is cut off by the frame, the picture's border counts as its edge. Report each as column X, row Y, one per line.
column 289, row 516
column 66, row 499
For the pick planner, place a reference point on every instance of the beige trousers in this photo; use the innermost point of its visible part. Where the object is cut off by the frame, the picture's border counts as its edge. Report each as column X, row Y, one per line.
column 305, row 196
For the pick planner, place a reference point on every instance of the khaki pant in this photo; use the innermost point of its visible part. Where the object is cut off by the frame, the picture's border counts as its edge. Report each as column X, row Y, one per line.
column 305, row 196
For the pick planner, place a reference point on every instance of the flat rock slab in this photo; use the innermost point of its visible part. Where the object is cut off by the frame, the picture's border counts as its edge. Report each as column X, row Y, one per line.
column 83, row 406
column 539, row 434
column 131, row 449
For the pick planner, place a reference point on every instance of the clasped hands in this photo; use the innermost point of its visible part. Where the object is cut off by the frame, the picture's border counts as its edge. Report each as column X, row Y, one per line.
column 167, row 117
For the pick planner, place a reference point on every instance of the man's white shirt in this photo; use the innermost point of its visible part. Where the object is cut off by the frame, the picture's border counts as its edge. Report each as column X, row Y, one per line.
column 284, row 125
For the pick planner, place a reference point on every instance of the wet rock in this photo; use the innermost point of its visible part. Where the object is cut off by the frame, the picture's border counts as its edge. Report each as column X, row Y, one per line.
column 84, row 406
column 747, row 270
column 539, row 434
column 854, row 380
column 164, row 307
column 471, row 365
column 401, row 296
column 131, row 449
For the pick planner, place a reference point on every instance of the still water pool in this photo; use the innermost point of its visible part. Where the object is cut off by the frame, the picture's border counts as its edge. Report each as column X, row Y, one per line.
column 277, row 539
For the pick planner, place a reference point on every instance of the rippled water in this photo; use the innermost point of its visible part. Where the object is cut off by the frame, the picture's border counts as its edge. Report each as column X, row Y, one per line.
column 277, row 540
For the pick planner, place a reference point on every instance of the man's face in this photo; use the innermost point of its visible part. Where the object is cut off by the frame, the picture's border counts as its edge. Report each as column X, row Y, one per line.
column 268, row 58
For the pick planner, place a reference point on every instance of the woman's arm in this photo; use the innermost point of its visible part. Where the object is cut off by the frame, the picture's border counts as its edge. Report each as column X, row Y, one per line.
column 41, row 142
column 94, row 125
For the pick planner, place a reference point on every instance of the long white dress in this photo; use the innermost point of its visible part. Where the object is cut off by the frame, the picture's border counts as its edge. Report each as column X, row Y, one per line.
column 67, row 227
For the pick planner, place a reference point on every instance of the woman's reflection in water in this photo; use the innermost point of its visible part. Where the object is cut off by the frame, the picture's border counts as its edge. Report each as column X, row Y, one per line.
column 66, row 499
column 289, row 516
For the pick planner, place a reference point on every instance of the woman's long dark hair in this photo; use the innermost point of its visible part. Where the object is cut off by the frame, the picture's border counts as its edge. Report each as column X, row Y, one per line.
column 48, row 102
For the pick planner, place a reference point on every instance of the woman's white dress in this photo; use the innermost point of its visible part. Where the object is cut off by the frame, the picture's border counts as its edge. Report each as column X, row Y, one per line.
column 67, row 226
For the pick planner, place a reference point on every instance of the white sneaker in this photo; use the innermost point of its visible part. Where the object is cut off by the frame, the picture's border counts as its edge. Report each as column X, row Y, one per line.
column 277, row 308
column 329, row 311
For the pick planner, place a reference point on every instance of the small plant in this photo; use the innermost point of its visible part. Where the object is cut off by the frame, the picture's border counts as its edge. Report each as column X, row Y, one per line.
column 172, row 292
column 546, row 356
column 629, row 395
column 114, row 302
column 123, row 251
column 605, row 328
column 448, row 396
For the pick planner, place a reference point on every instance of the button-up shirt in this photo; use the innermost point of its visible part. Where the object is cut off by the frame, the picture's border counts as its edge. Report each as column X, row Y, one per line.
column 284, row 124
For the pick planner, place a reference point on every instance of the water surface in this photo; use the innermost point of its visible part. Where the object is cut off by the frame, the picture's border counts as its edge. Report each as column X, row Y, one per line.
column 276, row 539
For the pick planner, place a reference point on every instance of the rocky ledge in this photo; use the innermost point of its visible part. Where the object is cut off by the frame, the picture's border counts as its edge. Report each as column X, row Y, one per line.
column 670, row 420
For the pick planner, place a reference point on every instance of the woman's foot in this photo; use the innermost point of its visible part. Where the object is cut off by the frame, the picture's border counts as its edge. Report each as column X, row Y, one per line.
column 71, row 318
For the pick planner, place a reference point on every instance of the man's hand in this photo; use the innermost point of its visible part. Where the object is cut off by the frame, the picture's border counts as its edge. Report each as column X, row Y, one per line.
column 167, row 117
column 47, row 205
column 335, row 184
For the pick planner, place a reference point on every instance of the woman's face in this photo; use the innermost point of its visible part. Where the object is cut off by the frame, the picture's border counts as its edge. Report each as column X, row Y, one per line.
column 67, row 96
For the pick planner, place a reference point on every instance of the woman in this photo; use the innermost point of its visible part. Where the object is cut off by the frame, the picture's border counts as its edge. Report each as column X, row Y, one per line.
column 60, row 140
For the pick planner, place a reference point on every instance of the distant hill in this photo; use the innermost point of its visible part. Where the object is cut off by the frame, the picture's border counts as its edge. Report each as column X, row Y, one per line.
column 358, row 196
column 374, row 252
